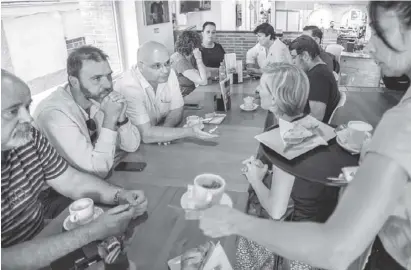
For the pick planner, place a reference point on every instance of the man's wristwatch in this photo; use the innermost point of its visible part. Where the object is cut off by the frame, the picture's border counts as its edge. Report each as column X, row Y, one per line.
column 116, row 200
column 119, row 124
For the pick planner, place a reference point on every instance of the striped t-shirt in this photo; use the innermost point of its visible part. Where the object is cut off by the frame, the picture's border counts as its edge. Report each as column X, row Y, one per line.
column 23, row 174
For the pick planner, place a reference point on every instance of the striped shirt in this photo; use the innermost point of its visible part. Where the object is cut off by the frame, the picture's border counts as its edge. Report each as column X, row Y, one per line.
column 23, row 175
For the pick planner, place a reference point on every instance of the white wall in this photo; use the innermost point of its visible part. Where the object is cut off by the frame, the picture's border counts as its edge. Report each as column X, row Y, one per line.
column 129, row 31
column 162, row 33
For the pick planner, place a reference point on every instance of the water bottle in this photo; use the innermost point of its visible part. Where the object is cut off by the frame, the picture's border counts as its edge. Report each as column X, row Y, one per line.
column 222, row 72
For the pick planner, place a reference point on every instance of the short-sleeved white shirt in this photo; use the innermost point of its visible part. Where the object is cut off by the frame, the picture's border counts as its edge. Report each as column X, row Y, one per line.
column 143, row 103
column 277, row 53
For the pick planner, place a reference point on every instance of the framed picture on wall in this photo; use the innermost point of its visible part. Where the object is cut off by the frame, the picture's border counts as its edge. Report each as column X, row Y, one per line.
column 156, row 12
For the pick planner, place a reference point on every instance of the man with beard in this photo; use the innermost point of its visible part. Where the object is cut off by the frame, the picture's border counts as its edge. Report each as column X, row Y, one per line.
column 28, row 161
column 85, row 120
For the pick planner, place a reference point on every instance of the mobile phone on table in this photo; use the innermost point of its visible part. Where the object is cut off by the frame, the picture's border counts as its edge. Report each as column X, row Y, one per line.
column 130, row 166
column 79, row 259
column 192, row 106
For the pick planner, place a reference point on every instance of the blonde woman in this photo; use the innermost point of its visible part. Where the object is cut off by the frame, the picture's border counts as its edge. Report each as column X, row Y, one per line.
column 284, row 93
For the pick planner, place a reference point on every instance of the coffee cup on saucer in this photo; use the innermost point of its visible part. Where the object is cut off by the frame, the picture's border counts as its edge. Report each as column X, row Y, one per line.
column 81, row 211
column 193, row 120
column 208, row 189
column 248, row 102
column 358, row 132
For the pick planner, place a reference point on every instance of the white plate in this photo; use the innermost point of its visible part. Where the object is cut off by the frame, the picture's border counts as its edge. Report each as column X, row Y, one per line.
column 348, row 147
column 255, row 106
column 68, row 225
column 225, row 200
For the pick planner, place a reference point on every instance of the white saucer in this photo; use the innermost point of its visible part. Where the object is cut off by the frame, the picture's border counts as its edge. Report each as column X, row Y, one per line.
column 255, row 106
column 225, row 200
column 348, row 147
column 68, row 225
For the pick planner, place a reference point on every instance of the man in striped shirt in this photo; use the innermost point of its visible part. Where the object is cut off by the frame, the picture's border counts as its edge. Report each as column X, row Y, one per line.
column 28, row 162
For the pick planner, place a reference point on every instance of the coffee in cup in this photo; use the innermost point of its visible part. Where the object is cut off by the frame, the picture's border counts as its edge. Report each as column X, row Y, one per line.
column 358, row 132
column 209, row 188
column 248, row 102
column 193, row 120
column 81, row 211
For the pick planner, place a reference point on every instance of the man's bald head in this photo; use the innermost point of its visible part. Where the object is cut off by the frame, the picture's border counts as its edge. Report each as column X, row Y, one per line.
column 15, row 116
column 151, row 49
column 154, row 62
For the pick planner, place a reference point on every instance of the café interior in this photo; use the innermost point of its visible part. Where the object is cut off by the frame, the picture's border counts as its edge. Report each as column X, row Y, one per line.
column 38, row 36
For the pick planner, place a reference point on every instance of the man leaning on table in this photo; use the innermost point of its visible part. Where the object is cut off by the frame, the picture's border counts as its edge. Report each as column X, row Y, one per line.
column 85, row 119
column 28, row 162
column 269, row 49
column 154, row 101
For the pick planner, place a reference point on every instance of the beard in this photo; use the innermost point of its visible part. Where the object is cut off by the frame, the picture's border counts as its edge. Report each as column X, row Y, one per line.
column 97, row 97
column 20, row 136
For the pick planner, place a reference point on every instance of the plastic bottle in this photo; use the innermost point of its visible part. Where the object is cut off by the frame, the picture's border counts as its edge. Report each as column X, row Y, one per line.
column 222, row 71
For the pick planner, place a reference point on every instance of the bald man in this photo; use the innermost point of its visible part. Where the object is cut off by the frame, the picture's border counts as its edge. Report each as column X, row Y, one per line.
column 28, row 161
column 154, row 101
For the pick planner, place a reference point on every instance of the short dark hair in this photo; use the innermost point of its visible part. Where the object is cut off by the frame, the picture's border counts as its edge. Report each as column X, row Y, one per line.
column 305, row 43
column 187, row 41
column 266, row 29
column 76, row 58
column 315, row 30
column 403, row 12
column 208, row 23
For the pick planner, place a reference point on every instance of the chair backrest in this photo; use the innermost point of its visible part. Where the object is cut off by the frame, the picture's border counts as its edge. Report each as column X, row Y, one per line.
column 341, row 103
column 335, row 49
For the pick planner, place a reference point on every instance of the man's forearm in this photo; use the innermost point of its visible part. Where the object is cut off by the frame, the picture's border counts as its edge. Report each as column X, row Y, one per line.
column 173, row 119
column 76, row 185
column 38, row 253
column 165, row 134
column 301, row 241
column 263, row 194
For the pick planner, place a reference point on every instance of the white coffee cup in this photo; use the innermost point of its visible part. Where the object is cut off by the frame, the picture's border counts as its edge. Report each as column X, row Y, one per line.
column 248, row 102
column 203, row 191
column 81, row 211
column 358, row 132
column 193, row 120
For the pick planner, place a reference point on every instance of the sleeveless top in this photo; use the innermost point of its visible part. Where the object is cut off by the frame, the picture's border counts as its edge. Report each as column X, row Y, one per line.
column 392, row 139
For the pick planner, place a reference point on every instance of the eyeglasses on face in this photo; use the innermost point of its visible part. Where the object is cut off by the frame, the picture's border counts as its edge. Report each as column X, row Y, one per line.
column 157, row 66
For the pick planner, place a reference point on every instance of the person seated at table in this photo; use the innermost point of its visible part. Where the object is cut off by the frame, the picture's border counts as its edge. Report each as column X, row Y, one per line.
column 324, row 94
column 316, row 33
column 85, row 120
column 269, row 49
column 376, row 202
column 211, row 51
column 29, row 161
column 187, row 62
column 154, row 101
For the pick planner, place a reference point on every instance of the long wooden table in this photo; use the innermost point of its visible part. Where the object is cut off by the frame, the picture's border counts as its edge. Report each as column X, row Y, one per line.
column 166, row 234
